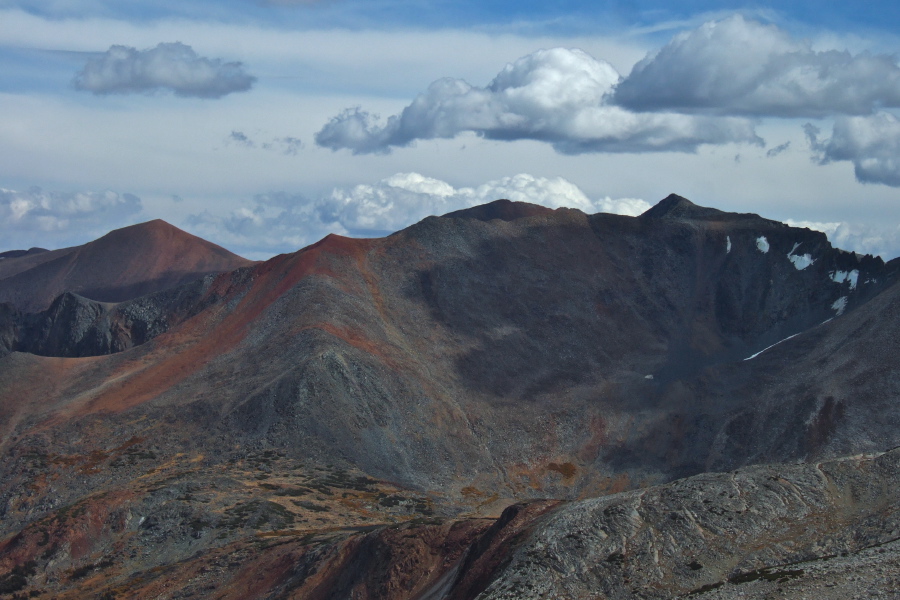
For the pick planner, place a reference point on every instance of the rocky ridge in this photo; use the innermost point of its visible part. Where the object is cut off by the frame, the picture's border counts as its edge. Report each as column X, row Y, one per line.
column 377, row 404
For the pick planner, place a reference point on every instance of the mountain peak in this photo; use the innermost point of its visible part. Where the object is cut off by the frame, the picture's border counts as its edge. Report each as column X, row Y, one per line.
column 155, row 229
column 503, row 209
column 123, row 264
column 674, row 206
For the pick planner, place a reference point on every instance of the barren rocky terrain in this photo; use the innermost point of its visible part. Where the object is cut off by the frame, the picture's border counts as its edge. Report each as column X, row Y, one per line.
column 503, row 402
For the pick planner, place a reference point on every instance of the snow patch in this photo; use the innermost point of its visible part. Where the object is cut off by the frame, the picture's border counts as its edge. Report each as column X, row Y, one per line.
column 648, row 376
column 772, row 346
column 727, row 244
column 851, row 277
column 762, row 244
column 840, row 305
column 801, row 261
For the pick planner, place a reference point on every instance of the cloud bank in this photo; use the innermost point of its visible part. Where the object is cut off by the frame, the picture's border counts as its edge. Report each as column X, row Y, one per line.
column 168, row 66
column 742, row 67
column 63, row 218
column 871, row 143
column 560, row 96
column 710, row 85
column 281, row 222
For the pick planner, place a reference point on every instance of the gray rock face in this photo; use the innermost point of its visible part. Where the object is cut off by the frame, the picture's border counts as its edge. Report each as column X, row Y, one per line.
column 74, row 326
column 766, row 524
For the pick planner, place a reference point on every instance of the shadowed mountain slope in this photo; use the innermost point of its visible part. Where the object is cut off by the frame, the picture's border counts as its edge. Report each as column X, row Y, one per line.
column 123, row 264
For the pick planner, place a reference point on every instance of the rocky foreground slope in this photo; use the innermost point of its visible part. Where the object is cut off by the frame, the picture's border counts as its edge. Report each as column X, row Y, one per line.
column 353, row 418
column 760, row 532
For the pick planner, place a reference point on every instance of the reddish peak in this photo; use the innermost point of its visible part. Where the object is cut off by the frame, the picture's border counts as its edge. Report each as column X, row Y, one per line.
column 157, row 228
column 159, row 241
column 123, row 264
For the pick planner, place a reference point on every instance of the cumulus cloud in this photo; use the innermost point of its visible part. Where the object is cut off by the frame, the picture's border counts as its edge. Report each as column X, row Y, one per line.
column 871, row 143
column 281, row 222
column 879, row 240
column 62, row 218
column 168, row 66
column 406, row 198
column 742, row 67
column 560, row 96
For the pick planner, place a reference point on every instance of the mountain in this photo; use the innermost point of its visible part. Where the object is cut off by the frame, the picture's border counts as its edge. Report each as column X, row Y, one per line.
column 123, row 264
column 20, row 253
column 372, row 406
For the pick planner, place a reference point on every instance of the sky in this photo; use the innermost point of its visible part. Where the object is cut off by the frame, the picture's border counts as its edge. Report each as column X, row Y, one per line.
column 264, row 125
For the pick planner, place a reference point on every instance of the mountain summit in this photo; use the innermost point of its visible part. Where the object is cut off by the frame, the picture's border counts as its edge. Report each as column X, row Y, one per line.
column 674, row 206
column 123, row 264
column 505, row 210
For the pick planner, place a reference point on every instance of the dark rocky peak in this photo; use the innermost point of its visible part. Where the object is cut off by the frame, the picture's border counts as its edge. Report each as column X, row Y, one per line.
column 677, row 207
column 505, row 210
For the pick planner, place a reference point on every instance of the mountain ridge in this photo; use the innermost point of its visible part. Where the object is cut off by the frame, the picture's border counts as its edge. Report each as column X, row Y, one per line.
column 365, row 401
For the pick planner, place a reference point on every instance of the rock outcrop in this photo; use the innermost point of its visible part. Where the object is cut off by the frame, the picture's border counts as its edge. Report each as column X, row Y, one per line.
column 761, row 524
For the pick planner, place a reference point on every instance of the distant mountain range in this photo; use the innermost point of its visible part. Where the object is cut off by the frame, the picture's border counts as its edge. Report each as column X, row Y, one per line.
column 352, row 419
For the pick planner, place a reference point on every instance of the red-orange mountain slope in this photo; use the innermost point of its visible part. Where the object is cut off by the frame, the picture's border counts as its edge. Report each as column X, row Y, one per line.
column 123, row 264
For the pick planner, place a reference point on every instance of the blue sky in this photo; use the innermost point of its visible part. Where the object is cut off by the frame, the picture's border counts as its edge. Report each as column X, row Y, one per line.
column 264, row 125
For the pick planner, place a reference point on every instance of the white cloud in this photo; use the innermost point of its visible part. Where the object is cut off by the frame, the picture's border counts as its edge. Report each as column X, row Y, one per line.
column 879, row 240
column 168, row 66
column 281, row 222
column 560, row 96
column 308, row 58
column 740, row 66
column 406, row 198
column 871, row 143
column 61, row 218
